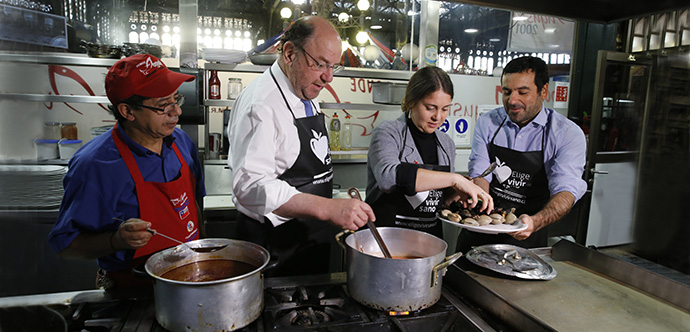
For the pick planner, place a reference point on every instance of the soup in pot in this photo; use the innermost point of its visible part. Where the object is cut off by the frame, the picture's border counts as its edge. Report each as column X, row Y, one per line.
column 209, row 270
column 405, row 257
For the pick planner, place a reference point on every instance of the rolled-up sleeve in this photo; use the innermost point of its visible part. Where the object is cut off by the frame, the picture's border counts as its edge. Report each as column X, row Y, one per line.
column 564, row 170
column 479, row 156
column 259, row 152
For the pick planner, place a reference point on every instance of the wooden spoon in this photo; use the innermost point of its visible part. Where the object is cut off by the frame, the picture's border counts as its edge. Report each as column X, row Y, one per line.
column 354, row 193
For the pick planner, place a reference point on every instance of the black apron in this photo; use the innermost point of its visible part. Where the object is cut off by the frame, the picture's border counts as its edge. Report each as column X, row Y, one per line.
column 522, row 184
column 418, row 212
column 300, row 246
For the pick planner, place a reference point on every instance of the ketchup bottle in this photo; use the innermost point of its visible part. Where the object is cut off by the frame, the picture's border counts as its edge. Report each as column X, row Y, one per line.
column 214, row 85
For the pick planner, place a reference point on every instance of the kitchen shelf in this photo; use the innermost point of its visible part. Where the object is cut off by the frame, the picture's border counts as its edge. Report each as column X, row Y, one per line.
column 362, row 107
column 57, row 59
column 55, row 98
column 347, row 72
column 326, row 106
column 219, row 102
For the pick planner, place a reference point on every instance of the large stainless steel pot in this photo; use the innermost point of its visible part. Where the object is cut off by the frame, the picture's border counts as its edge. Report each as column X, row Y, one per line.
column 395, row 284
column 218, row 305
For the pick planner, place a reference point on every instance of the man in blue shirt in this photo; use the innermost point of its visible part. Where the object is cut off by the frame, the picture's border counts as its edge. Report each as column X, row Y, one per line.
column 144, row 171
column 540, row 155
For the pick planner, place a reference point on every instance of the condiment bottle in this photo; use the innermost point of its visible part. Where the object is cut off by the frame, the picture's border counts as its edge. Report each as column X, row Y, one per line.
column 234, row 87
column 335, row 132
column 346, row 134
column 214, row 85
column 69, row 131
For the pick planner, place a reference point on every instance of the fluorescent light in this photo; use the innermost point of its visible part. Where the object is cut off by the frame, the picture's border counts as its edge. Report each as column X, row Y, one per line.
column 494, row 40
column 376, row 27
column 472, row 30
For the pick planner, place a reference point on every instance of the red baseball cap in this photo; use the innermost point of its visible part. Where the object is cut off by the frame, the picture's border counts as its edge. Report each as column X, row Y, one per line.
column 143, row 75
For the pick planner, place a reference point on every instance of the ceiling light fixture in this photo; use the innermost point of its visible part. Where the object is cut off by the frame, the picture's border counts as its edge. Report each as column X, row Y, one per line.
column 494, row 40
column 471, row 30
column 343, row 17
column 376, row 27
column 363, row 5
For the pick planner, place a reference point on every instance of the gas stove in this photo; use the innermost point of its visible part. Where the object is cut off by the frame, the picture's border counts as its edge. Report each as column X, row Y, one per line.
column 304, row 303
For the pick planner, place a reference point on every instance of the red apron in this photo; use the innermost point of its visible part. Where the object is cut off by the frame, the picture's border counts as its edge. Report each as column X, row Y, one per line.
column 170, row 207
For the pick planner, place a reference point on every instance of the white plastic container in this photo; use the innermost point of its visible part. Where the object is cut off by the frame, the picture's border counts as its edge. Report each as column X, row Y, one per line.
column 46, row 149
column 68, row 147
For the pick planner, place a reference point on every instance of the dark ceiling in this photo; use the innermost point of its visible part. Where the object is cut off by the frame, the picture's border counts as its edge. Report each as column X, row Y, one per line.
column 598, row 11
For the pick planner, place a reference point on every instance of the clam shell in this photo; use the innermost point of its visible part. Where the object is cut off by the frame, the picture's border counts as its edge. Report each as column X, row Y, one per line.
column 483, row 220
column 470, row 221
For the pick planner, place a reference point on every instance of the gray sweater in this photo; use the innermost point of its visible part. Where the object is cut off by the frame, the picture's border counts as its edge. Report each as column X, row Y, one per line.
column 384, row 151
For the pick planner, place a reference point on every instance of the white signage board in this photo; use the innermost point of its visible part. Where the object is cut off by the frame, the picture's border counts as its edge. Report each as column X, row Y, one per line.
column 540, row 33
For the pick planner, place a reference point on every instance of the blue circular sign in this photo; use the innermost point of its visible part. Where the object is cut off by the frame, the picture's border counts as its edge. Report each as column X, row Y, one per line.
column 461, row 126
column 444, row 127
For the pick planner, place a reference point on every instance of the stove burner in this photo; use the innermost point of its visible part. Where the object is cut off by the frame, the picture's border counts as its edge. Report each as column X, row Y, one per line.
column 306, row 317
column 399, row 313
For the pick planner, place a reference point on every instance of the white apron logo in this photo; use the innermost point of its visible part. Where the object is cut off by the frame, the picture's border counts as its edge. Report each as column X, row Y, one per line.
column 181, row 205
column 502, row 171
column 417, row 200
column 319, row 146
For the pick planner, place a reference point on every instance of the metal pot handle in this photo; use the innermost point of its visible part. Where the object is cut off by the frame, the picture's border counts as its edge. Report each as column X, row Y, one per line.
column 441, row 267
column 340, row 239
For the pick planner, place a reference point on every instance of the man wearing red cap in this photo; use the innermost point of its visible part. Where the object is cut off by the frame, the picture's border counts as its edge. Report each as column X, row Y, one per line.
column 144, row 170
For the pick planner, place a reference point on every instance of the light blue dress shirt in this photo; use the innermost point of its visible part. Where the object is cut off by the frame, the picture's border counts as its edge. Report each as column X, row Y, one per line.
column 564, row 151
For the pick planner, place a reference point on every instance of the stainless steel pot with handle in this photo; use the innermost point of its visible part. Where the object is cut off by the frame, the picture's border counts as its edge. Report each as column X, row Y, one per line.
column 216, row 305
column 409, row 282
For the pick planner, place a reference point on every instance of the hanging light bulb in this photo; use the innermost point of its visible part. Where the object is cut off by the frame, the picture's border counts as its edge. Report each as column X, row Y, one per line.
column 363, row 5
column 362, row 37
column 286, row 12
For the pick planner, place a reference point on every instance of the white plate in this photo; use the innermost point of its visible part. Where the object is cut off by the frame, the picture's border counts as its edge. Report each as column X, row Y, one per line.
column 518, row 225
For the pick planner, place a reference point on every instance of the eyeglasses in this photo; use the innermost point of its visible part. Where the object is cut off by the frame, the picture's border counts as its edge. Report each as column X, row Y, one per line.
column 179, row 101
column 322, row 67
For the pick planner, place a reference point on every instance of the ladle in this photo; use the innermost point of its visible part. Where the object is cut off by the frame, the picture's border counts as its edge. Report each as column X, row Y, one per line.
column 354, row 193
column 195, row 249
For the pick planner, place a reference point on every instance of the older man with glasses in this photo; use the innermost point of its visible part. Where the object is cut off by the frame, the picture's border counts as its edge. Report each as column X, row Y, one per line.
column 144, row 171
column 279, row 156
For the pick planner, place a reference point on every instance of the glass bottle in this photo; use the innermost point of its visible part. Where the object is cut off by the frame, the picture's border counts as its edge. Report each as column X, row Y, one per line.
column 214, row 85
column 335, row 132
column 346, row 134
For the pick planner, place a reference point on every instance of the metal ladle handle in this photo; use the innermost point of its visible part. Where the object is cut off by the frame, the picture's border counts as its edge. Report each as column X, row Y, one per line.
column 354, row 193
